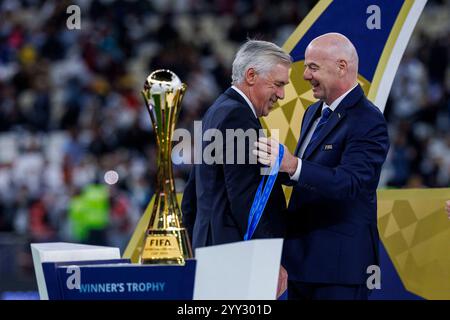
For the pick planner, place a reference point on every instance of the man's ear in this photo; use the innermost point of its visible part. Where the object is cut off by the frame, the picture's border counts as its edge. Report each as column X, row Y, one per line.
column 250, row 76
column 342, row 67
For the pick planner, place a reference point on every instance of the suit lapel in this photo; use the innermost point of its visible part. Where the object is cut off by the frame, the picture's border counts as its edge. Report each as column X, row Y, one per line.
column 309, row 120
column 335, row 118
column 349, row 101
column 233, row 94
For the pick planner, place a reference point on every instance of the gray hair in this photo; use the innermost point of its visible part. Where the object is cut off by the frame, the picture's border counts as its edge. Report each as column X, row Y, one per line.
column 257, row 54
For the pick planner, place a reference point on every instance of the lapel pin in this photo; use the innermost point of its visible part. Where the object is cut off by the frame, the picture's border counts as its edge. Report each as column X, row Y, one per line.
column 328, row 147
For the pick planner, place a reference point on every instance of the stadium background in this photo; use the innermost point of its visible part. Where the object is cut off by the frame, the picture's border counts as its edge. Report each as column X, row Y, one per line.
column 70, row 109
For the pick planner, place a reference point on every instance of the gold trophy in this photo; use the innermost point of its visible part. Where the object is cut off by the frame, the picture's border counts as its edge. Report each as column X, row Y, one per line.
column 166, row 241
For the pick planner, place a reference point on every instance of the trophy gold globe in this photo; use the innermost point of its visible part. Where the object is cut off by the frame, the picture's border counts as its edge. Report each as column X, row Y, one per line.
column 166, row 240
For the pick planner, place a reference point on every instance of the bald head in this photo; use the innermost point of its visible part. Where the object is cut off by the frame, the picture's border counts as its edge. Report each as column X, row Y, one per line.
column 331, row 66
column 338, row 47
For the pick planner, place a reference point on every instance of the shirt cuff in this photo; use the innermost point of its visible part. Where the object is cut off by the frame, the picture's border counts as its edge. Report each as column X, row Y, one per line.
column 296, row 174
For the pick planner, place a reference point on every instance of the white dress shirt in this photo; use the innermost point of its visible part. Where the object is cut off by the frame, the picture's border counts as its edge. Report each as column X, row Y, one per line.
column 250, row 104
column 305, row 143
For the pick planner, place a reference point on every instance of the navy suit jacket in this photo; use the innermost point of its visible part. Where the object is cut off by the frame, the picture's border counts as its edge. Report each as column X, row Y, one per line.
column 218, row 197
column 332, row 230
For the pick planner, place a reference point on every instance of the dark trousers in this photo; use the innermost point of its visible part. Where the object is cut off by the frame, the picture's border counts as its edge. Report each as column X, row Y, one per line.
column 323, row 291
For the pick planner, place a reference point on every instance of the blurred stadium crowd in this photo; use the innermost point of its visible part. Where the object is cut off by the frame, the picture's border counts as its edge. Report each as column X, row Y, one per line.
column 70, row 107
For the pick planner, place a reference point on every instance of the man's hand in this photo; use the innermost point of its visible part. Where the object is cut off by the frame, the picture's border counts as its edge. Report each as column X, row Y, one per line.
column 447, row 208
column 282, row 281
column 267, row 153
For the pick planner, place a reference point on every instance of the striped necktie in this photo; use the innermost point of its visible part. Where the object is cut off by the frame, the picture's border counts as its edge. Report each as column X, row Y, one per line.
column 326, row 113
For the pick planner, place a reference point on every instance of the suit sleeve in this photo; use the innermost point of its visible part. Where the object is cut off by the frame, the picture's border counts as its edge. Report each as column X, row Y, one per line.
column 241, row 179
column 363, row 155
column 189, row 204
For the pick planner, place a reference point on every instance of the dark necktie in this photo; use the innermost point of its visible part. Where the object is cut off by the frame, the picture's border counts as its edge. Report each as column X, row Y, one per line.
column 326, row 113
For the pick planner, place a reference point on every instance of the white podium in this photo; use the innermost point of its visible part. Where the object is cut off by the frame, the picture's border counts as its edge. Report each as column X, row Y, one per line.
column 246, row 270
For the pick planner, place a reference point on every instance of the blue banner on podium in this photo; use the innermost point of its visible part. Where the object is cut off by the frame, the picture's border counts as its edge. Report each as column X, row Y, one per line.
column 118, row 280
column 69, row 271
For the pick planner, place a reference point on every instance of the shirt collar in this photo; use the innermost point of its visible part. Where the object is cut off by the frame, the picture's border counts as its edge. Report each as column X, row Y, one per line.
column 336, row 102
column 250, row 104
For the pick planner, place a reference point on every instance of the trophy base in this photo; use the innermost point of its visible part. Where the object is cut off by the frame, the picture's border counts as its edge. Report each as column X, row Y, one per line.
column 169, row 246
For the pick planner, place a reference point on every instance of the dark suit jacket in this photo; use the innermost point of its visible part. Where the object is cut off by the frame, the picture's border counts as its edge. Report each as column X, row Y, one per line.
column 218, row 197
column 332, row 213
